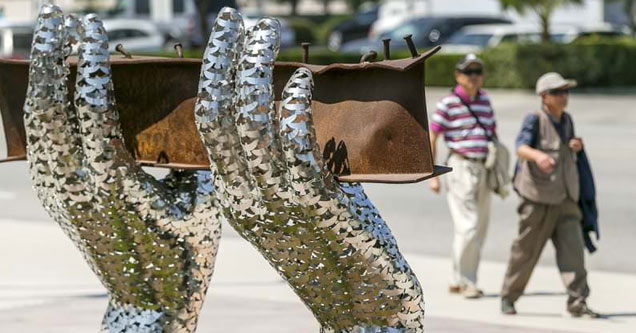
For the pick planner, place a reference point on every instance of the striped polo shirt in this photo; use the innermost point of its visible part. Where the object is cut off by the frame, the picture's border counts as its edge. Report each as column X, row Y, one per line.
column 461, row 132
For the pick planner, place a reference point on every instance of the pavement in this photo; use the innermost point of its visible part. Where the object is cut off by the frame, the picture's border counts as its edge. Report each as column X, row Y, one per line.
column 45, row 286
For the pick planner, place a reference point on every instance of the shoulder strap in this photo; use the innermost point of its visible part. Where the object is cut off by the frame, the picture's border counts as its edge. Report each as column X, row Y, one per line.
column 570, row 123
column 474, row 116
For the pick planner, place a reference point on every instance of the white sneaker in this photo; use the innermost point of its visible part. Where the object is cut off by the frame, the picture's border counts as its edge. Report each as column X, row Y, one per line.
column 471, row 292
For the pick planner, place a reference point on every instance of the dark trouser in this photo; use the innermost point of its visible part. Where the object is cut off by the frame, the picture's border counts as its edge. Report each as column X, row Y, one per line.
column 537, row 223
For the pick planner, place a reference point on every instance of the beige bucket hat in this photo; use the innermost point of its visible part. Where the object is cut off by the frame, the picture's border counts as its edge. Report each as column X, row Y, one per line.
column 553, row 80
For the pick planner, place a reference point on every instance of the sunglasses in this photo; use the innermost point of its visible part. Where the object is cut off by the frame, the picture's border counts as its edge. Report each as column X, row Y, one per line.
column 476, row 71
column 558, row 92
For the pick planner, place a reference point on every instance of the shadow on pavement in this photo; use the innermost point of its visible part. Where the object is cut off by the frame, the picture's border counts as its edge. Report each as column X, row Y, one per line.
column 535, row 293
column 618, row 314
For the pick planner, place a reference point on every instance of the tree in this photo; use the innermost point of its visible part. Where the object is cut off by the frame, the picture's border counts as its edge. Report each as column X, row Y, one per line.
column 325, row 6
column 629, row 6
column 355, row 4
column 202, row 7
column 294, row 5
column 543, row 9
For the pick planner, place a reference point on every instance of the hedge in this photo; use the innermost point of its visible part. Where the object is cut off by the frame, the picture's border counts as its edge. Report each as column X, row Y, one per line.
column 605, row 64
column 314, row 29
column 304, row 30
column 599, row 64
column 439, row 68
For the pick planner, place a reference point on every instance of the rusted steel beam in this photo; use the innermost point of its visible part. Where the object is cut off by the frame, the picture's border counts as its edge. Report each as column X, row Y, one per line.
column 370, row 118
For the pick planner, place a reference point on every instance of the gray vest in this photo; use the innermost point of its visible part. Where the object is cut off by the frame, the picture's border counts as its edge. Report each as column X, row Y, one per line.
column 535, row 185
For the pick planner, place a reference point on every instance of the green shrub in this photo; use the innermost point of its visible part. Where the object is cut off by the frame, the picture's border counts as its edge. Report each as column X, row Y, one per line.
column 304, row 30
column 318, row 56
column 323, row 31
column 500, row 68
column 314, row 28
column 440, row 69
column 604, row 64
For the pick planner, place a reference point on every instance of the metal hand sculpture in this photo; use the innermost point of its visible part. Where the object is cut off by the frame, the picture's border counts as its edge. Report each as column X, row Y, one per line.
column 152, row 243
column 324, row 237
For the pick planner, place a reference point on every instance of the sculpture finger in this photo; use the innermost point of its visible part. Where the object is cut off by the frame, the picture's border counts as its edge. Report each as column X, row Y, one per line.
column 53, row 150
column 298, row 140
column 102, row 140
column 214, row 113
column 43, row 98
column 255, row 118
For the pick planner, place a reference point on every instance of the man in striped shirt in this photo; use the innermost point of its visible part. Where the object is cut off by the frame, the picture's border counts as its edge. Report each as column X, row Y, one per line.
column 468, row 194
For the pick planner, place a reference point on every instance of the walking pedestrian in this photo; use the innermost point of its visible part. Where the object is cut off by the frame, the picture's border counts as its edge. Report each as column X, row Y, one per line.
column 547, row 181
column 466, row 120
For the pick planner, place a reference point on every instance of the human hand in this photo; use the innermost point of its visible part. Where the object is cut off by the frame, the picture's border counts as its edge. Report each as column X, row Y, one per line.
column 434, row 184
column 576, row 144
column 545, row 162
column 152, row 243
column 325, row 238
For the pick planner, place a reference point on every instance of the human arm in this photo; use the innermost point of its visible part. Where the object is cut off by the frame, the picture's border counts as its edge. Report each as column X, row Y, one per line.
column 437, row 127
column 527, row 140
column 543, row 160
column 434, row 183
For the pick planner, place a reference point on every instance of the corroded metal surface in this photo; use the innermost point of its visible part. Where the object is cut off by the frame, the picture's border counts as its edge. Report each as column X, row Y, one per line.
column 369, row 117
column 325, row 238
column 151, row 243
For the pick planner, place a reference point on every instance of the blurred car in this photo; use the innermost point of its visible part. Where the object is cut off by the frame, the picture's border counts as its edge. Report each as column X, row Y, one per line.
column 354, row 28
column 392, row 13
column 287, row 34
column 15, row 39
column 475, row 38
column 427, row 32
column 134, row 35
column 181, row 24
column 569, row 34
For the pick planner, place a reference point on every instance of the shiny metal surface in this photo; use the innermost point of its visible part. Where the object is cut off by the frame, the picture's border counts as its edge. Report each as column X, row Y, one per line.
column 152, row 243
column 325, row 238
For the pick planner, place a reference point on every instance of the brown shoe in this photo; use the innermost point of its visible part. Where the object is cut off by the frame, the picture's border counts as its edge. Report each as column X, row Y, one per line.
column 455, row 289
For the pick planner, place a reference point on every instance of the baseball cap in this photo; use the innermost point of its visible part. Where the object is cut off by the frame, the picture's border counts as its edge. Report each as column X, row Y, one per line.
column 467, row 60
column 553, row 80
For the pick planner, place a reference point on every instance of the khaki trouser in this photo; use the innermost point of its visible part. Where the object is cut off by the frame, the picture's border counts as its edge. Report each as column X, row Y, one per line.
column 538, row 223
column 469, row 203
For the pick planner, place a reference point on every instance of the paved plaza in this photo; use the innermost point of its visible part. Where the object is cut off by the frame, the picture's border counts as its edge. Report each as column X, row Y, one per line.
column 45, row 286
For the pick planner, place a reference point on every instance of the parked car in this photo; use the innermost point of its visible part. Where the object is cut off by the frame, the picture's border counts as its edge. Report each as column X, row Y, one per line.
column 393, row 13
column 427, row 32
column 569, row 34
column 355, row 28
column 475, row 38
column 134, row 35
column 15, row 39
column 478, row 37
